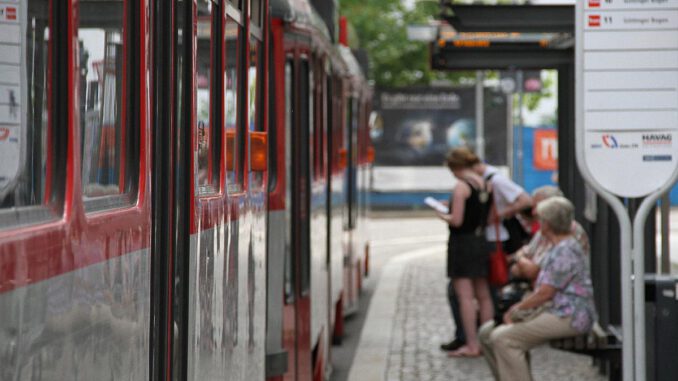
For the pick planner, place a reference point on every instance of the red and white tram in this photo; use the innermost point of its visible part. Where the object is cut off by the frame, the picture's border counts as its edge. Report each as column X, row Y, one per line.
column 182, row 189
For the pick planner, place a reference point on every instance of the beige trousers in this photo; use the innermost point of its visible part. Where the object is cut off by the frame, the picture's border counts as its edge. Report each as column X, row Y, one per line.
column 506, row 348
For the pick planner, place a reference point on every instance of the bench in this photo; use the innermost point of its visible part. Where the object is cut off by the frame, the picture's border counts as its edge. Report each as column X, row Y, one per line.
column 599, row 343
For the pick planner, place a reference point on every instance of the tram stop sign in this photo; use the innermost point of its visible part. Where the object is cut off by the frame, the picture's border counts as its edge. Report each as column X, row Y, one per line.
column 627, row 92
column 13, row 94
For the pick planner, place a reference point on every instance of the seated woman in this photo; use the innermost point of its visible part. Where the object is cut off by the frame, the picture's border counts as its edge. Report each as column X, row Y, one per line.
column 527, row 260
column 563, row 294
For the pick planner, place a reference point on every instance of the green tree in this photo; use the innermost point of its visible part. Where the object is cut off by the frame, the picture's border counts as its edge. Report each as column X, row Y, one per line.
column 381, row 29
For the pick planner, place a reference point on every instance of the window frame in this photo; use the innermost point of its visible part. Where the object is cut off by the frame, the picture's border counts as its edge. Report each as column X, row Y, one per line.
column 289, row 119
column 51, row 206
column 239, row 156
column 130, row 127
column 256, row 180
column 305, row 164
column 214, row 154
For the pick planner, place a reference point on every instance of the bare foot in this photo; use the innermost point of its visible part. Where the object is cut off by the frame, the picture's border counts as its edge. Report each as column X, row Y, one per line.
column 466, row 351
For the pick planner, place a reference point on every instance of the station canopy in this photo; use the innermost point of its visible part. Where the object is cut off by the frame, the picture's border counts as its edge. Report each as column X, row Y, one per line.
column 499, row 37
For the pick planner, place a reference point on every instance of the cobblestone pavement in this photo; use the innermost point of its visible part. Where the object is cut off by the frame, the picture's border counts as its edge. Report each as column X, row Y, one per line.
column 422, row 322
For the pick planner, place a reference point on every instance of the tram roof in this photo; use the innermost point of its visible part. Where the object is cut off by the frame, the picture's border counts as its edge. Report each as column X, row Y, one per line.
column 300, row 12
column 354, row 68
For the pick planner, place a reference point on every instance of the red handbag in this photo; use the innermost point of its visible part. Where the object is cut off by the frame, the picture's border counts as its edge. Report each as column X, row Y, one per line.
column 498, row 272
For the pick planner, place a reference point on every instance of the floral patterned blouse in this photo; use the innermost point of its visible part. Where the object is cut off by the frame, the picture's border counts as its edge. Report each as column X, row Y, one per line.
column 565, row 268
column 540, row 245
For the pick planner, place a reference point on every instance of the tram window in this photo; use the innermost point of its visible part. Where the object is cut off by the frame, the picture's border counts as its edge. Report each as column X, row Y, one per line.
column 352, row 161
column 232, row 107
column 255, row 105
column 236, row 3
column 329, row 115
column 321, row 125
column 208, row 158
column 255, row 12
column 103, row 99
column 289, row 118
column 305, row 108
column 317, row 122
column 312, row 123
column 24, row 114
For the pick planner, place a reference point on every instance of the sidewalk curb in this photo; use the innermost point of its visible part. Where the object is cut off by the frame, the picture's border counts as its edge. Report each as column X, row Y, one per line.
column 371, row 358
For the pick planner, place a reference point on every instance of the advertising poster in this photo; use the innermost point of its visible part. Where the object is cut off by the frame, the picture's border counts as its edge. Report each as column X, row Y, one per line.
column 546, row 149
column 419, row 126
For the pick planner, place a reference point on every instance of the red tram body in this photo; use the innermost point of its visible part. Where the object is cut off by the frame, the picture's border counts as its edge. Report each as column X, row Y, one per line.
column 188, row 194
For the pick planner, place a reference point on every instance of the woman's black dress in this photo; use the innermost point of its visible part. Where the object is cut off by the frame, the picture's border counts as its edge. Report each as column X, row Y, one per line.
column 467, row 250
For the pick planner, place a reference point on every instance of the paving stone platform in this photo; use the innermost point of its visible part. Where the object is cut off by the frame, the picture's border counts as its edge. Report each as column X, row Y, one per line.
column 421, row 321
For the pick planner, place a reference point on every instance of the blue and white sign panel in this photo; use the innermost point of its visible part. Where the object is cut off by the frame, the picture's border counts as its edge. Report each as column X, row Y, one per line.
column 13, row 94
column 627, row 63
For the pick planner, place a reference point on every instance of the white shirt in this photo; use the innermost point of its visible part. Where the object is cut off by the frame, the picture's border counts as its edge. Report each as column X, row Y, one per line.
column 506, row 192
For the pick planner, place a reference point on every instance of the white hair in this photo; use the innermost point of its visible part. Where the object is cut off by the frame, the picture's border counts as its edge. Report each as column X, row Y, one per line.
column 557, row 213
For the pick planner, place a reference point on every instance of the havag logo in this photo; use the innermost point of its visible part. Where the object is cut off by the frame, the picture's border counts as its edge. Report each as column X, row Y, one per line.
column 610, row 141
column 657, row 139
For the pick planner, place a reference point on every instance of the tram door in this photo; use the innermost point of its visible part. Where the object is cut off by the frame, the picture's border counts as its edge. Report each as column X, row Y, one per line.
column 298, row 240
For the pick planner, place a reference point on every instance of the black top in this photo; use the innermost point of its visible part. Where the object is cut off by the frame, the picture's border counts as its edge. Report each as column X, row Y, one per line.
column 476, row 210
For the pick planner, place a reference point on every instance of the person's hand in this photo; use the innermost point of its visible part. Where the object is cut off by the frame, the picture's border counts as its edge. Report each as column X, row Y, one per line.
column 507, row 315
column 445, row 217
column 506, row 214
column 515, row 271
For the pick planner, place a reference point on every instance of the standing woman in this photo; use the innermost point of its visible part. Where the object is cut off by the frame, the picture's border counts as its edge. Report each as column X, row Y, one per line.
column 467, row 254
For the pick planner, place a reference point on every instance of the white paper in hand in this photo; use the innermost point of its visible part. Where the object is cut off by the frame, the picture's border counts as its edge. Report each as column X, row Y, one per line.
column 435, row 204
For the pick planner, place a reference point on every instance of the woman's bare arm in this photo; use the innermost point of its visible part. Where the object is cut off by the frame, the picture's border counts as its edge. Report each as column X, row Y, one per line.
column 540, row 296
column 461, row 193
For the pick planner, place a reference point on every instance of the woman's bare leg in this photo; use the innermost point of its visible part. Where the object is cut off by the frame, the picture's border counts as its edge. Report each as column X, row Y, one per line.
column 482, row 293
column 465, row 294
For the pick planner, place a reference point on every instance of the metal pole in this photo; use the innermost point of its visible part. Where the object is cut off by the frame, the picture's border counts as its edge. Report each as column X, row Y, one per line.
column 519, row 132
column 639, row 271
column 509, row 138
column 639, row 283
column 625, row 232
column 665, row 231
column 480, row 114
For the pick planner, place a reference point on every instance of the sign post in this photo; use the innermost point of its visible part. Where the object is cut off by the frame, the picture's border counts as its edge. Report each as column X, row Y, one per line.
column 626, row 124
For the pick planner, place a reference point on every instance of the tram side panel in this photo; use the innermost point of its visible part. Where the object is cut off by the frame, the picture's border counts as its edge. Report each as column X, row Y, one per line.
column 337, row 199
column 363, row 183
column 75, row 276
column 352, row 274
column 227, row 278
column 279, row 359
column 319, row 234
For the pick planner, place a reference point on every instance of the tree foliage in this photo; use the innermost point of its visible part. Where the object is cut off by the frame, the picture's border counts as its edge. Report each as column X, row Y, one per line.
column 381, row 29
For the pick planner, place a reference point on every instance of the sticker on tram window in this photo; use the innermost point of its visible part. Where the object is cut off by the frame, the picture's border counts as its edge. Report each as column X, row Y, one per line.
column 13, row 84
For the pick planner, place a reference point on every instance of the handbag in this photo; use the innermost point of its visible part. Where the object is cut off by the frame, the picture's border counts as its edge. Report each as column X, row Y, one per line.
column 498, row 272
